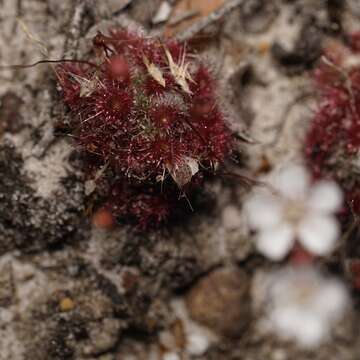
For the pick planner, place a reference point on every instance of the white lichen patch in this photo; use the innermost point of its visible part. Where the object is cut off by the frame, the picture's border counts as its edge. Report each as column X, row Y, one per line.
column 47, row 172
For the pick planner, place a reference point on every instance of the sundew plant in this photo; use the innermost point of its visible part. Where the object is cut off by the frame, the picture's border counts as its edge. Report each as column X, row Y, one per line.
column 145, row 115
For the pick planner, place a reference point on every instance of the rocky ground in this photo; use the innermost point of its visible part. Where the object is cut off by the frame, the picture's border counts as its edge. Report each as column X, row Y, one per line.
column 71, row 291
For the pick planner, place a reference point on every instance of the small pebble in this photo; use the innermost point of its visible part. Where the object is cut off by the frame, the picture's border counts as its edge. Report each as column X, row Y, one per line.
column 66, row 304
column 221, row 301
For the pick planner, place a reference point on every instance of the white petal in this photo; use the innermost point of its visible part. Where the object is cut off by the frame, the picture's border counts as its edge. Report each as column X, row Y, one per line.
column 305, row 327
column 276, row 242
column 325, row 196
column 312, row 331
column 197, row 344
column 336, row 291
column 171, row 356
column 292, row 181
column 285, row 321
column 318, row 234
column 263, row 210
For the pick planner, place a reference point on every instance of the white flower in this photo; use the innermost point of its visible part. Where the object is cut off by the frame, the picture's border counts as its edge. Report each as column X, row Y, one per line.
column 171, row 356
column 292, row 209
column 197, row 341
column 303, row 305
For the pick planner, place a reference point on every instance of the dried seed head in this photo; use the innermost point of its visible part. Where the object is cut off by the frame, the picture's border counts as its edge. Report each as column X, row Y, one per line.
column 180, row 72
column 183, row 172
column 154, row 72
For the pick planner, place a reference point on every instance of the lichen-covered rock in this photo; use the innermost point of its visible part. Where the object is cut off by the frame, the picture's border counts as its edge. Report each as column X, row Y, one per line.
column 80, row 315
column 28, row 221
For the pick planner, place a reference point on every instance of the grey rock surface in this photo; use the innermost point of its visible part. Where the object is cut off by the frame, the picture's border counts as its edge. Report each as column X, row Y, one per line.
column 70, row 291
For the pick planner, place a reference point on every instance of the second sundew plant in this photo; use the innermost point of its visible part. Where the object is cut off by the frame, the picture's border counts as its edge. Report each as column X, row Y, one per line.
column 145, row 115
column 332, row 145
